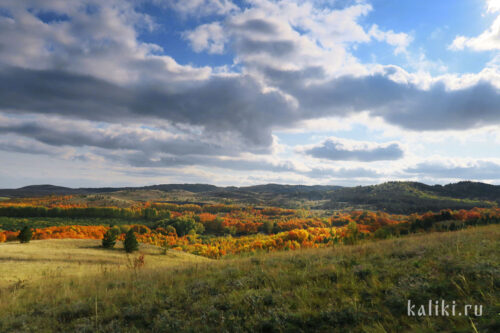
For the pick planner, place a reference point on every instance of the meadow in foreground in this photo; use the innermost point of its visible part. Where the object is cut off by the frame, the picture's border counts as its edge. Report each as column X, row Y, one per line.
column 353, row 288
column 22, row 264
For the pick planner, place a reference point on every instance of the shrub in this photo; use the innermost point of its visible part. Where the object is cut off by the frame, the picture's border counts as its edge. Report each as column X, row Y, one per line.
column 130, row 242
column 109, row 239
column 25, row 235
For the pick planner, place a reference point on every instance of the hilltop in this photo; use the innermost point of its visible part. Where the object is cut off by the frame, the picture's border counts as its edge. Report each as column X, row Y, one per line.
column 393, row 197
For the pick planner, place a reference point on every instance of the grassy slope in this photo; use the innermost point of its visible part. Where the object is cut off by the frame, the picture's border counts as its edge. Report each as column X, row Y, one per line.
column 347, row 288
column 22, row 264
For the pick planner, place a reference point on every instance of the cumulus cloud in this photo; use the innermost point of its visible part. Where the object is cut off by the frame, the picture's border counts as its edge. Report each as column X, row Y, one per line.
column 83, row 74
column 404, row 104
column 478, row 170
column 200, row 7
column 487, row 40
column 492, row 6
column 344, row 150
column 219, row 104
column 399, row 40
column 113, row 77
column 21, row 145
column 224, row 101
column 59, row 132
column 99, row 39
column 349, row 173
column 140, row 159
column 210, row 37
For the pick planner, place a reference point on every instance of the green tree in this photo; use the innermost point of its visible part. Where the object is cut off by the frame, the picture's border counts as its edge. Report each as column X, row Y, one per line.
column 109, row 239
column 184, row 225
column 268, row 227
column 352, row 233
column 215, row 226
column 25, row 235
column 130, row 242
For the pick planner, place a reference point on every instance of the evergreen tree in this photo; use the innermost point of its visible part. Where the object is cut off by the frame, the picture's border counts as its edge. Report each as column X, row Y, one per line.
column 130, row 242
column 25, row 235
column 109, row 239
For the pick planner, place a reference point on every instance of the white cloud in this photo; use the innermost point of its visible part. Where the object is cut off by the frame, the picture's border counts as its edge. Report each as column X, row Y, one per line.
column 453, row 170
column 200, row 7
column 487, row 40
column 210, row 37
column 95, row 91
column 493, row 6
column 337, row 149
column 399, row 40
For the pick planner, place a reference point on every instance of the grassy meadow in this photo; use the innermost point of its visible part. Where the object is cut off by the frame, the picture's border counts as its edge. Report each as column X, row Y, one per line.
column 23, row 264
column 347, row 288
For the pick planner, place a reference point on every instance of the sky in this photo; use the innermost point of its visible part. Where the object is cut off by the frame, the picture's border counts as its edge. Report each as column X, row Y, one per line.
column 348, row 92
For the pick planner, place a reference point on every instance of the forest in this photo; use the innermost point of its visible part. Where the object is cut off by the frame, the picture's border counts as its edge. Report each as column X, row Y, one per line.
column 217, row 230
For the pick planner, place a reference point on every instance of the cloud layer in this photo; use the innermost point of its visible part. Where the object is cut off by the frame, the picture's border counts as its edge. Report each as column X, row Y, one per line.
column 78, row 80
column 338, row 150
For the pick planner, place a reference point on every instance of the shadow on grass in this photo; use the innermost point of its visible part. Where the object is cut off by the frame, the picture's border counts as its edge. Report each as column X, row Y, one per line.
column 49, row 260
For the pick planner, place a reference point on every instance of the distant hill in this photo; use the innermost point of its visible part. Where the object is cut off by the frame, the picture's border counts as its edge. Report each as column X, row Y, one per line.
column 38, row 190
column 43, row 190
column 408, row 197
column 394, row 197
column 471, row 190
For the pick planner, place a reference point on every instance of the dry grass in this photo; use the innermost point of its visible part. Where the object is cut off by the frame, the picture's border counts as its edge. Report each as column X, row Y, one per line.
column 360, row 288
column 55, row 258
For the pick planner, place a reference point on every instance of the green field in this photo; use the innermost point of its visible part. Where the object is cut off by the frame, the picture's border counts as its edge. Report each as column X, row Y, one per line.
column 361, row 288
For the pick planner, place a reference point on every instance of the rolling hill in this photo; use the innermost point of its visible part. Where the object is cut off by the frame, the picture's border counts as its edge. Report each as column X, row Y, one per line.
column 394, row 197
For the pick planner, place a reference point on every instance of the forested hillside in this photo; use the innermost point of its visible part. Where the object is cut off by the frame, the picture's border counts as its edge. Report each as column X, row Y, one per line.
column 392, row 197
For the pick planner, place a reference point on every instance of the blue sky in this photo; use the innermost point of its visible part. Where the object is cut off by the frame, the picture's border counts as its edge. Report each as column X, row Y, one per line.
column 432, row 25
column 129, row 92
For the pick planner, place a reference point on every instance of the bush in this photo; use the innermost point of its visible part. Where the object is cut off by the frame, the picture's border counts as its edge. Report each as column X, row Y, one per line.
column 130, row 242
column 109, row 239
column 25, row 235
